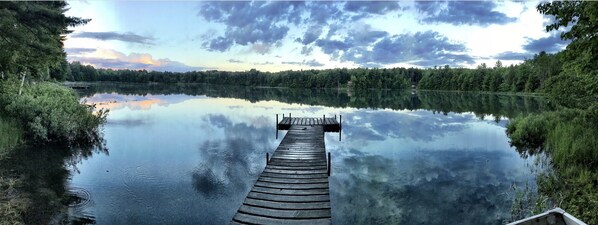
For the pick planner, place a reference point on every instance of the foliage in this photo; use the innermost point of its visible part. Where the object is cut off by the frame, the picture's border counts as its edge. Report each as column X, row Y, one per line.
column 31, row 36
column 570, row 138
column 530, row 76
column 573, row 91
column 527, row 203
column 582, row 18
column 52, row 113
column 395, row 78
column 12, row 204
column 11, row 135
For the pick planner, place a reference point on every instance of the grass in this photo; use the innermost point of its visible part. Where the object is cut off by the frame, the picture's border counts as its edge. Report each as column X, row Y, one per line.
column 569, row 137
column 11, row 135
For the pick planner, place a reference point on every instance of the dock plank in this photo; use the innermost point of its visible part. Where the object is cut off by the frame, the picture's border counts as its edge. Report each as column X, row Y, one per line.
column 285, row 213
column 293, row 188
column 287, row 205
column 253, row 219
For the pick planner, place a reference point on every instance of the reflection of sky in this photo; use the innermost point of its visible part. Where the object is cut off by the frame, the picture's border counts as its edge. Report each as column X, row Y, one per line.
column 416, row 167
column 181, row 159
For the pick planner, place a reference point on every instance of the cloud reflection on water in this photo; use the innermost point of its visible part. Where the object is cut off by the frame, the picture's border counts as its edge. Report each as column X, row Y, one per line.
column 230, row 165
column 393, row 166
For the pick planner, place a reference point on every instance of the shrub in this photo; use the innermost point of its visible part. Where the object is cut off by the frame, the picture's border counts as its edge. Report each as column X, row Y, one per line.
column 52, row 113
column 10, row 135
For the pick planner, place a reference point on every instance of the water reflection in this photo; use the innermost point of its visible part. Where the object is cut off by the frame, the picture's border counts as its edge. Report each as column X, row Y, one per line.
column 447, row 187
column 481, row 104
column 188, row 154
column 232, row 170
column 40, row 177
column 418, row 167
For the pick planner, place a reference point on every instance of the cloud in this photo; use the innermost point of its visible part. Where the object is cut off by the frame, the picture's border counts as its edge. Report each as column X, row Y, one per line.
column 292, row 63
column 550, row 44
column 306, row 50
column 249, row 22
column 264, row 63
column 422, row 48
column 368, row 47
column 78, row 51
column 312, row 34
column 311, row 63
column 108, row 58
column 268, row 23
column 235, row 61
column 219, row 44
column 462, row 12
column 377, row 7
column 331, row 46
column 513, row 55
column 105, row 36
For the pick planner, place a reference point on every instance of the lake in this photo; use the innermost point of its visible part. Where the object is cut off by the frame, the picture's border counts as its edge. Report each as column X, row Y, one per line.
column 189, row 154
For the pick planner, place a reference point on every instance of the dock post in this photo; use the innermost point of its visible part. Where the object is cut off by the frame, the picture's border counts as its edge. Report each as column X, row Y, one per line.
column 324, row 121
column 267, row 158
column 277, row 126
column 340, row 125
column 329, row 164
column 290, row 116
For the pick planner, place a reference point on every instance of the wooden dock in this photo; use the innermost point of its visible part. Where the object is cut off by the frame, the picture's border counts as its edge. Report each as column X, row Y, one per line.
column 293, row 188
column 329, row 124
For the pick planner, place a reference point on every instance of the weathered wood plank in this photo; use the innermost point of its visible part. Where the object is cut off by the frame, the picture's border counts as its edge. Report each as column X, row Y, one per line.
column 286, row 167
column 288, row 198
column 296, row 163
column 287, row 205
column 293, row 181
column 290, row 186
column 294, row 172
column 293, row 188
column 290, row 191
column 296, row 176
column 285, row 213
column 252, row 219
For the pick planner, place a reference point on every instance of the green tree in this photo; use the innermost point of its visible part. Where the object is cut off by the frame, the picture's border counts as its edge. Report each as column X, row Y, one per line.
column 31, row 36
column 582, row 16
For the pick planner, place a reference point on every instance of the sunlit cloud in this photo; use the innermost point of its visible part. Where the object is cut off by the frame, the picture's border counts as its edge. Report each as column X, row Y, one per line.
column 113, row 59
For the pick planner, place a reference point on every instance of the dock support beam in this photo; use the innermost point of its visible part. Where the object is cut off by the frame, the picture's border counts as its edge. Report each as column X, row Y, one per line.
column 329, row 167
column 340, row 125
column 267, row 158
column 277, row 125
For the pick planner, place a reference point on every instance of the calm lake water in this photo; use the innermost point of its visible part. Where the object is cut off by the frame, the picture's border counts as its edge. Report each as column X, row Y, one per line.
column 189, row 154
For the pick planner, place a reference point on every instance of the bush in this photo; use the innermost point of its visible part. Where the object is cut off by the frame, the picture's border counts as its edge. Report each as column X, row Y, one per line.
column 11, row 135
column 572, row 91
column 52, row 113
column 528, row 132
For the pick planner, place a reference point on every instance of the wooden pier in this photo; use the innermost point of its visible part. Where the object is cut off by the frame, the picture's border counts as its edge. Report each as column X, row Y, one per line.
column 329, row 124
column 293, row 188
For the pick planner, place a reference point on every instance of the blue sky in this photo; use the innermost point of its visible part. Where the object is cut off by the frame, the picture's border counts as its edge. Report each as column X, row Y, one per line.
column 282, row 35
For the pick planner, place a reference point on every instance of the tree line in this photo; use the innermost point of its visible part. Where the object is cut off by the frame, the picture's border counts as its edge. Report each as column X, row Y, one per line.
column 528, row 76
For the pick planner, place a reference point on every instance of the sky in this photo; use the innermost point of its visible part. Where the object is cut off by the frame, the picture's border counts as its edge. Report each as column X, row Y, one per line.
column 274, row 36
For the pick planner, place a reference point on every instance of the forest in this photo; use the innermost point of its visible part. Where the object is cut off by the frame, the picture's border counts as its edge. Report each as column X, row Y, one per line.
column 528, row 76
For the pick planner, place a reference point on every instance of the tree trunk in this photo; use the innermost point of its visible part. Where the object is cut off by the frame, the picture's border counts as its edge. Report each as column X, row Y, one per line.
column 22, row 82
column 2, row 74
